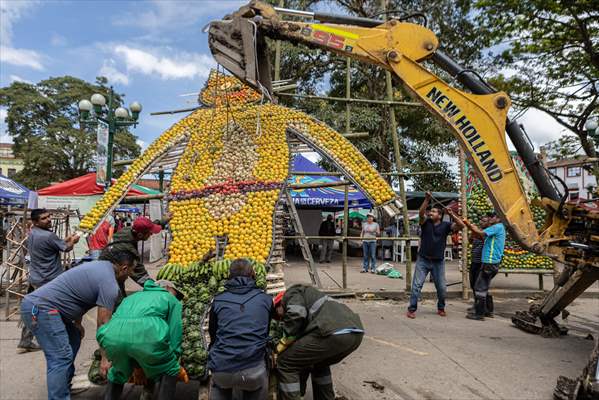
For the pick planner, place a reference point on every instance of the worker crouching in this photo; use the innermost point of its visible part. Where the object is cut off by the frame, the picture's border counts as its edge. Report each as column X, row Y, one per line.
column 319, row 332
column 144, row 334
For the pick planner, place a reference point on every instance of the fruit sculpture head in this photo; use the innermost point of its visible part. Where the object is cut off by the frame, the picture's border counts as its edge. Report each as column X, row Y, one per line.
column 221, row 90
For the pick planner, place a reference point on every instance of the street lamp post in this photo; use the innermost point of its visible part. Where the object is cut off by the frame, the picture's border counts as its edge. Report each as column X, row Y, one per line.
column 91, row 112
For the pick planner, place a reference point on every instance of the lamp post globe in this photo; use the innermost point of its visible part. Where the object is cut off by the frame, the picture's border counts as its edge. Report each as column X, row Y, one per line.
column 121, row 112
column 135, row 108
column 98, row 100
column 85, row 105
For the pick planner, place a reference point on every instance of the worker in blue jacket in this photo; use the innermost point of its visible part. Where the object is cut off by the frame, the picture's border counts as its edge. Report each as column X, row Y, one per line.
column 239, row 324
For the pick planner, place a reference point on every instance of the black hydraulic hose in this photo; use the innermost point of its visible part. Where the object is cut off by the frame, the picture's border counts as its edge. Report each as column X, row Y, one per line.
column 519, row 139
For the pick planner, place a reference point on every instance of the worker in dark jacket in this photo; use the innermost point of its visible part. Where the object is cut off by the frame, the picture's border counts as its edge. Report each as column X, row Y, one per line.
column 238, row 325
column 127, row 239
column 318, row 332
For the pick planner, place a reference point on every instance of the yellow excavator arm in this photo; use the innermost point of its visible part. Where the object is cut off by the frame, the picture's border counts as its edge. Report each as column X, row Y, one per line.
column 476, row 120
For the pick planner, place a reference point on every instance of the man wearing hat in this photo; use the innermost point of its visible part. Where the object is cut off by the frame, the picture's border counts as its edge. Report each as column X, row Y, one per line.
column 128, row 238
column 318, row 332
column 143, row 338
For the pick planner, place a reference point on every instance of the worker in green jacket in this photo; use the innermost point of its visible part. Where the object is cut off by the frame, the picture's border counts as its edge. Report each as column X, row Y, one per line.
column 145, row 332
column 318, row 332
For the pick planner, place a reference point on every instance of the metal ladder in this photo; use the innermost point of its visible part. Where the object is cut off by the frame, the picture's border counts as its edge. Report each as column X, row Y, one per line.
column 303, row 242
column 221, row 246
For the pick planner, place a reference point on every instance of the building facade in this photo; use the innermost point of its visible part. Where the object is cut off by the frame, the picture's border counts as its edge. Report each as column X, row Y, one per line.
column 581, row 183
column 9, row 164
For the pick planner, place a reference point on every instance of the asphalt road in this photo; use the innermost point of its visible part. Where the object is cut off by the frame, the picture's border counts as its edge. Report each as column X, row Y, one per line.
column 427, row 358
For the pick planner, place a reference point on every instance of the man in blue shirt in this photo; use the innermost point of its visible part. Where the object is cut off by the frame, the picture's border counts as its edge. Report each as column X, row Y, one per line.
column 494, row 238
column 54, row 312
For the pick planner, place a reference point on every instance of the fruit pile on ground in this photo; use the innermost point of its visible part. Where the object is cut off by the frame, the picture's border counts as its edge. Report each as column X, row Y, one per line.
column 514, row 257
column 200, row 282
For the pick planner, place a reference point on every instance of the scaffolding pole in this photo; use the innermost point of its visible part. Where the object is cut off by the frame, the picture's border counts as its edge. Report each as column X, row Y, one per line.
column 463, row 200
column 344, row 243
column 399, row 168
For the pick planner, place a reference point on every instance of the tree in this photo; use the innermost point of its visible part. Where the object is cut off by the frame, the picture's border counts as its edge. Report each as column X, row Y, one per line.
column 567, row 146
column 551, row 48
column 43, row 121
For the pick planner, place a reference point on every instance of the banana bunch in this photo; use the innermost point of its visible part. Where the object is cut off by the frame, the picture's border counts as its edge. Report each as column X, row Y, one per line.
column 171, row 272
column 220, row 269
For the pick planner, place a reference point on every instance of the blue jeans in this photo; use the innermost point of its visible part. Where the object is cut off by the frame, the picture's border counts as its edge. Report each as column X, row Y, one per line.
column 369, row 250
column 60, row 341
column 437, row 270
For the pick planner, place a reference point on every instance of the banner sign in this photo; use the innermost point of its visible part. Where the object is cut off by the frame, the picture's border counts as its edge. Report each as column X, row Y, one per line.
column 101, row 153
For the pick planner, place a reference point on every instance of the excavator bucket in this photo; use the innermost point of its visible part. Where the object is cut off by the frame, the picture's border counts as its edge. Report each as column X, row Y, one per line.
column 238, row 46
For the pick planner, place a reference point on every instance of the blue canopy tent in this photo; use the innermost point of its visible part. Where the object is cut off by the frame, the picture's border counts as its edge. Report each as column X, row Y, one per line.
column 13, row 193
column 326, row 198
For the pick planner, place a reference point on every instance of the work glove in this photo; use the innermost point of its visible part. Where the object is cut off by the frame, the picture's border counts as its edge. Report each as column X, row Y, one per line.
column 183, row 375
column 283, row 344
column 138, row 377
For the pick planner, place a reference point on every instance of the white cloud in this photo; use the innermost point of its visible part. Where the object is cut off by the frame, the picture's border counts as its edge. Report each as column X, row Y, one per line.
column 58, row 40
column 172, row 15
column 17, row 78
column 114, row 76
column 10, row 13
column 141, row 144
column 151, row 62
column 541, row 128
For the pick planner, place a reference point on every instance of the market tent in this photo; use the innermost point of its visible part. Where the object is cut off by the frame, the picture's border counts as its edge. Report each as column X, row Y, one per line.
column 13, row 193
column 326, row 198
column 82, row 186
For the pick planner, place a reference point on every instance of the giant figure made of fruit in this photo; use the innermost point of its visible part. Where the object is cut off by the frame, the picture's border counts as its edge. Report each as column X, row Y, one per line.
column 231, row 173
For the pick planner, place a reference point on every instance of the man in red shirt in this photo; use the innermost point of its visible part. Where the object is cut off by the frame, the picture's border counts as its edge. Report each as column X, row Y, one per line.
column 101, row 237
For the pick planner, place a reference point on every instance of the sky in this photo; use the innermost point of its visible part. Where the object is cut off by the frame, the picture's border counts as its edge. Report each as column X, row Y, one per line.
column 153, row 51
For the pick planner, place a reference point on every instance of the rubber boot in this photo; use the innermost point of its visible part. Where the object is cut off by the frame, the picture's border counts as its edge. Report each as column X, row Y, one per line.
column 490, row 307
column 168, row 386
column 480, row 308
column 113, row 391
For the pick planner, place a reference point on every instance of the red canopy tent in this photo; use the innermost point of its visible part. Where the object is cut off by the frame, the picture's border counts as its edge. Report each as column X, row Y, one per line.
column 81, row 186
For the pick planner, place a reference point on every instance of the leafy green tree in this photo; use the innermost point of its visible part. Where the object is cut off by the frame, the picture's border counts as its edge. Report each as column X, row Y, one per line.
column 551, row 50
column 43, row 121
column 566, row 146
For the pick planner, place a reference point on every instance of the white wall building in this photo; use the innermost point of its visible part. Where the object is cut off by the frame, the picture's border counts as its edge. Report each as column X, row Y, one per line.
column 578, row 179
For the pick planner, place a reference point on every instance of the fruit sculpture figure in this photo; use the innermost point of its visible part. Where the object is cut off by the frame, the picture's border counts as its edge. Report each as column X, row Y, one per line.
column 230, row 175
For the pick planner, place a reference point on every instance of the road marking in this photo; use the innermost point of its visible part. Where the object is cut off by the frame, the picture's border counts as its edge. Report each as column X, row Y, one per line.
column 397, row 346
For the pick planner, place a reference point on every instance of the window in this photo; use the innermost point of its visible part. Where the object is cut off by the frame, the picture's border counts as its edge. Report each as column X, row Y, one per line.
column 11, row 172
column 1, row 173
column 574, row 171
column 553, row 171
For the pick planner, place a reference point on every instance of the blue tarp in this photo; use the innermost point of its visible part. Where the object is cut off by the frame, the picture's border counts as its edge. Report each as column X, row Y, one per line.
column 327, row 198
column 12, row 192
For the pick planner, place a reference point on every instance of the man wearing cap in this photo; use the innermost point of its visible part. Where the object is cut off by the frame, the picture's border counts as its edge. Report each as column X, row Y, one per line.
column 128, row 239
column 318, row 332
column 238, row 325
column 145, row 332
column 493, row 247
